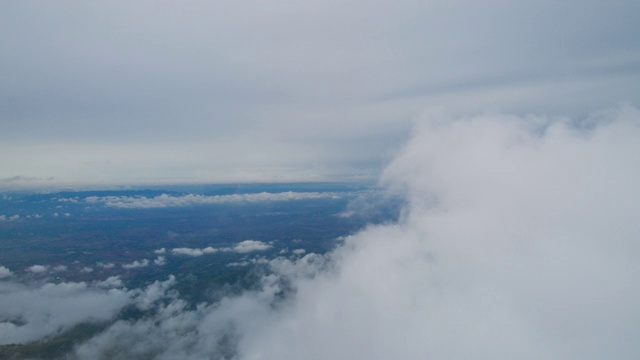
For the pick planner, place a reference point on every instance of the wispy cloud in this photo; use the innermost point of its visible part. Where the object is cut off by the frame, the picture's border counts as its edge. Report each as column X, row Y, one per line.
column 136, row 264
column 163, row 201
column 245, row 246
column 193, row 252
column 110, row 282
column 29, row 314
column 249, row 246
column 9, row 218
column 5, row 272
column 38, row 269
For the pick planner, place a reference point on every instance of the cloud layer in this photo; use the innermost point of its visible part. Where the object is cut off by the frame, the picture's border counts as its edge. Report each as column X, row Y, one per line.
column 245, row 246
column 519, row 241
column 118, row 92
column 164, row 200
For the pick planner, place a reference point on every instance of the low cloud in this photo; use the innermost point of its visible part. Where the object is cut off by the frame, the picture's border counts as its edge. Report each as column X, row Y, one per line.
column 136, row 264
column 5, row 272
column 9, row 218
column 59, row 268
column 32, row 313
column 160, row 261
column 28, row 314
column 245, row 246
column 519, row 241
column 110, row 282
column 249, row 246
column 193, row 252
column 164, row 200
column 38, row 269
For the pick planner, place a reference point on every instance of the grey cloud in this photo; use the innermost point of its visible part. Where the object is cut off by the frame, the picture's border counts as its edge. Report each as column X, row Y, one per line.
column 29, row 314
column 519, row 241
column 139, row 92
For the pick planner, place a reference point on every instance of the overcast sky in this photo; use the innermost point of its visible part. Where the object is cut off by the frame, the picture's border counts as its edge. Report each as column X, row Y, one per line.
column 118, row 92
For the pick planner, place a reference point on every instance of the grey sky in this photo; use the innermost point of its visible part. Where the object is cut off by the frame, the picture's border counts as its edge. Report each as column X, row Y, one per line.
column 123, row 92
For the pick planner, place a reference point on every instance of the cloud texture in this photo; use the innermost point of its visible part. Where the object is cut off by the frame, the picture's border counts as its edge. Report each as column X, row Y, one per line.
column 119, row 92
column 245, row 246
column 164, row 200
column 519, row 241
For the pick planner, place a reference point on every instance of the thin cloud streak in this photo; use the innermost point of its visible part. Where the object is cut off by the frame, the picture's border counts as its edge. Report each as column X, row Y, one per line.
column 164, row 200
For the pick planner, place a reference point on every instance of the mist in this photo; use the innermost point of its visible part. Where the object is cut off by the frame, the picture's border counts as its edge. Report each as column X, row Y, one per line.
column 519, row 240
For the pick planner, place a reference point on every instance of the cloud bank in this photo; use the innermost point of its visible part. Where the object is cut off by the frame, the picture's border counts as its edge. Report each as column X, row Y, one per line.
column 116, row 92
column 519, row 241
column 245, row 246
column 164, row 200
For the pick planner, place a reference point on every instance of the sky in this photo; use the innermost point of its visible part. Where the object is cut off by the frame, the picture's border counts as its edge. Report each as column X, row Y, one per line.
column 119, row 92
column 510, row 129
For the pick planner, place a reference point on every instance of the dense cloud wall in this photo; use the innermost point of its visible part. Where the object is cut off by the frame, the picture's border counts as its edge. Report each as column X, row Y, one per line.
column 520, row 240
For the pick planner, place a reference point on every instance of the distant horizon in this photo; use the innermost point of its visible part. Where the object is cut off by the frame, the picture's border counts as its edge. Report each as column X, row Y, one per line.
column 95, row 186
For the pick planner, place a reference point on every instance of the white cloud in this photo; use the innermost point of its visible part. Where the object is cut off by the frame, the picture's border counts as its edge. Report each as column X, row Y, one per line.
column 59, row 268
column 164, row 200
column 250, row 246
column 241, row 247
column 146, row 298
column 299, row 251
column 193, row 252
column 110, row 282
column 160, row 260
column 136, row 264
column 238, row 263
column 160, row 251
column 5, row 272
column 38, row 269
column 28, row 314
column 9, row 218
column 105, row 265
column 520, row 240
